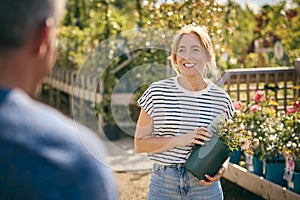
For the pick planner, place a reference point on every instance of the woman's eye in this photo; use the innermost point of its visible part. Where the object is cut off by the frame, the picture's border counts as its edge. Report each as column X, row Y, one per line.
column 181, row 50
column 196, row 50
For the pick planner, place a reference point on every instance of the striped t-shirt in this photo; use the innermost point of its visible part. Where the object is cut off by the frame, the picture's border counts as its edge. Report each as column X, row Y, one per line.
column 177, row 111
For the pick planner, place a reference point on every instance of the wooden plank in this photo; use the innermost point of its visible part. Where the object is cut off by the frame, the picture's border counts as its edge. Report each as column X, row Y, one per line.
column 124, row 99
column 296, row 88
column 238, row 86
column 228, row 86
column 276, row 80
column 285, row 89
column 248, row 86
column 267, row 82
column 61, row 79
column 257, row 81
column 257, row 184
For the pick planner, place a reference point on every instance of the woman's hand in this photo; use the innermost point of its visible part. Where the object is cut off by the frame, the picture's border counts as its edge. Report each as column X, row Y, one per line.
column 198, row 136
column 219, row 174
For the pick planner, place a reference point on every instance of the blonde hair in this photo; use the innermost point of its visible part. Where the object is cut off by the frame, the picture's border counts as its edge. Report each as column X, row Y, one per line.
column 210, row 67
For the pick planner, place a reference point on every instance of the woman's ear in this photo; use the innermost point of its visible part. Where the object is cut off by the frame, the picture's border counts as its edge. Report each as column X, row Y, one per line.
column 207, row 57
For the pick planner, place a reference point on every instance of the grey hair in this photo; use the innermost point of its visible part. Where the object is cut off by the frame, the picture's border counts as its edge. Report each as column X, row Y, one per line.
column 20, row 18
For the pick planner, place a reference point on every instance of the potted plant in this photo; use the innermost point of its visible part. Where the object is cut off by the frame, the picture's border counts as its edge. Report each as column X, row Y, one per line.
column 274, row 162
column 291, row 149
column 236, row 155
column 254, row 117
column 265, row 123
column 228, row 136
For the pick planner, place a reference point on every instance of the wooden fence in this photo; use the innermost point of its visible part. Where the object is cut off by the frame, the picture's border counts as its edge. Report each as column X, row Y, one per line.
column 281, row 83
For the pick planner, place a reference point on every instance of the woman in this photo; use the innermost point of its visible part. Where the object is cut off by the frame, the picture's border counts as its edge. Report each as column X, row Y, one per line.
column 174, row 116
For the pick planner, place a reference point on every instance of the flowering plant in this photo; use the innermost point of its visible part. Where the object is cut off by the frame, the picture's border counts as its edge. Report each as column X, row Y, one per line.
column 232, row 133
column 291, row 121
column 262, row 119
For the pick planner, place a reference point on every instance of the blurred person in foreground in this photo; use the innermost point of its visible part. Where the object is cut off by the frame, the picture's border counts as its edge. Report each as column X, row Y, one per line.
column 43, row 154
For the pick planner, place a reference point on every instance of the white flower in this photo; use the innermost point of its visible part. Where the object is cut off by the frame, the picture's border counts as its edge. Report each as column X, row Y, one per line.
column 255, row 142
column 272, row 137
column 245, row 144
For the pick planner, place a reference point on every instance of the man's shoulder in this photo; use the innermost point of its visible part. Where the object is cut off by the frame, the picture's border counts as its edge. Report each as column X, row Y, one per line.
column 22, row 111
column 44, row 143
column 34, row 123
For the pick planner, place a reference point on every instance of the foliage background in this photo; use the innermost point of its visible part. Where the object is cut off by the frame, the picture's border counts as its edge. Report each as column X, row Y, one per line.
column 232, row 28
column 89, row 23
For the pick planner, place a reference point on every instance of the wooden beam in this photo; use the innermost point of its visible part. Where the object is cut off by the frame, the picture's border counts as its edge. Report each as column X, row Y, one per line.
column 258, row 185
column 125, row 63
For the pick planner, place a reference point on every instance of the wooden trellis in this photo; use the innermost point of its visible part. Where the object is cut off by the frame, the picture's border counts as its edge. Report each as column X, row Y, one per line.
column 279, row 83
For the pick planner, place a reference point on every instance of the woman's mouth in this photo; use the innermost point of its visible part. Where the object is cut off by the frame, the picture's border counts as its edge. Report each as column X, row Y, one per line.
column 189, row 65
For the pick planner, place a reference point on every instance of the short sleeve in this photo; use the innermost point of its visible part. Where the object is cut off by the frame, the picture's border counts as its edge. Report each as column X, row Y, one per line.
column 229, row 107
column 146, row 101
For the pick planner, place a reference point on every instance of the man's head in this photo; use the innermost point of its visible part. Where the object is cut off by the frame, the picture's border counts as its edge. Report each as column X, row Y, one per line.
column 19, row 19
column 27, row 38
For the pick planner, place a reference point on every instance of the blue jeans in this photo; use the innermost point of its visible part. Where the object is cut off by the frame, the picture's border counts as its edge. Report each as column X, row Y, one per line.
column 176, row 182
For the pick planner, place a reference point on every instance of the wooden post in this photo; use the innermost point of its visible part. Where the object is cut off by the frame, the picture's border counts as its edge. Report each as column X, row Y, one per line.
column 238, row 86
column 248, row 86
column 51, row 94
column 57, row 99
column 81, row 99
column 297, row 81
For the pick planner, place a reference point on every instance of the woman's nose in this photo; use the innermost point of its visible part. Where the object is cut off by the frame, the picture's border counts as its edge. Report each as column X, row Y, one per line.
column 187, row 54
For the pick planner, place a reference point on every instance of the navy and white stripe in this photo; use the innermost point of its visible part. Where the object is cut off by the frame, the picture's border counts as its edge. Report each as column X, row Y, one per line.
column 177, row 111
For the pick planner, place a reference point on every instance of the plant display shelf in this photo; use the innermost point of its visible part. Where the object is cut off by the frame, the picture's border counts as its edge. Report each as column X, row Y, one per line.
column 258, row 184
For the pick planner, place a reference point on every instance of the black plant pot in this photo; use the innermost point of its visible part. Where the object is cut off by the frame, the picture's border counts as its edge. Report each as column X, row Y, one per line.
column 112, row 132
column 208, row 159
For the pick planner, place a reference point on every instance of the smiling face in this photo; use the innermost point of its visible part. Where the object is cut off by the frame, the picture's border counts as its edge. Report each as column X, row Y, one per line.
column 191, row 56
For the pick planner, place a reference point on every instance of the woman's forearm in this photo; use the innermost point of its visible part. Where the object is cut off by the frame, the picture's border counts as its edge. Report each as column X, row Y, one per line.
column 151, row 144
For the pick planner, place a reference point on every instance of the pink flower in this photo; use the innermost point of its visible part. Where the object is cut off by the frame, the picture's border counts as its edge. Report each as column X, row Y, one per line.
column 290, row 111
column 238, row 105
column 238, row 113
column 296, row 105
column 255, row 108
column 259, row 96
column 296, row 108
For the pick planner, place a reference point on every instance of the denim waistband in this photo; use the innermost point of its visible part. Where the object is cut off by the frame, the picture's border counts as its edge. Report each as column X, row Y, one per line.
column 177, row 166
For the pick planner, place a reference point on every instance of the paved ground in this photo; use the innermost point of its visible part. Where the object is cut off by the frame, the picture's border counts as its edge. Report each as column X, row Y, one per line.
column 123, row 158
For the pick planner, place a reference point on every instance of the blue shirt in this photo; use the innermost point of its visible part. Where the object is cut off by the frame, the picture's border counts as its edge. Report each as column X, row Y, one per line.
column 45, row 155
